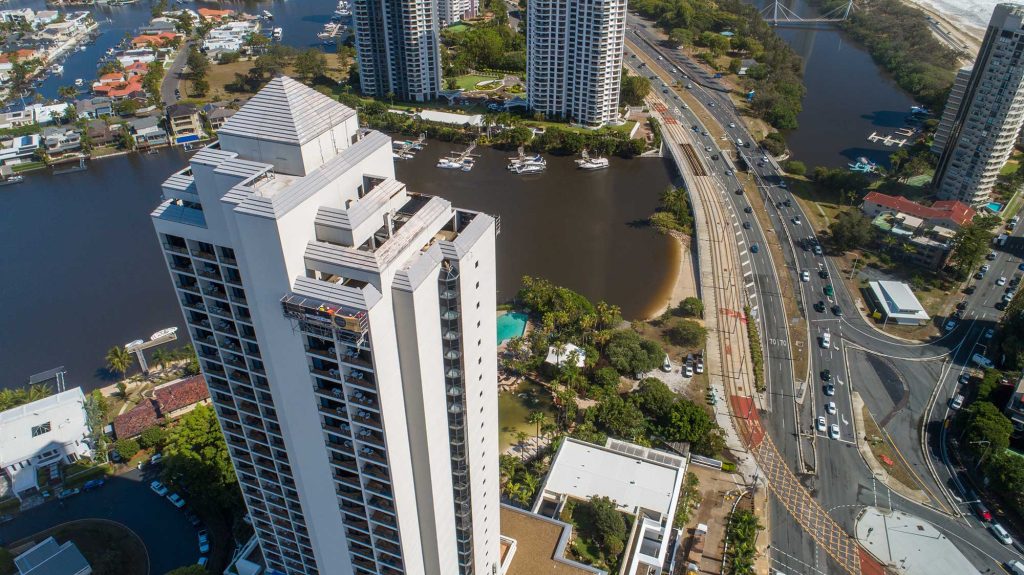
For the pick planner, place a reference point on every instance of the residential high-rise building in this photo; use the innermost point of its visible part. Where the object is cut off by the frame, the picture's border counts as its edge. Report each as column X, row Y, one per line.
column 574, row 58
column 345, row 326
column 984, row 113
column 451, row 11
column 397, row 48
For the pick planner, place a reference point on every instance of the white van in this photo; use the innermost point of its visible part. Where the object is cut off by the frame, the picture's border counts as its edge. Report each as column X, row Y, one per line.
column 1015, row 567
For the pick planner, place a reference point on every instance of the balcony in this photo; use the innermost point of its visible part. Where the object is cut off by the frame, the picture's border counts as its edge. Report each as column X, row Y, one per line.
column 200, row 253
column 368, row 418
column 373, row 438
column 384, row 519
column 376, row 472
column 385, row 533
column 326, row 353
column 379, row 488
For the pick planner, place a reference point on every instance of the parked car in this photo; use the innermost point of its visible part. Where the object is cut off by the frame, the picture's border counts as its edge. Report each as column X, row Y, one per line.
column 68, row 493
column 964, row 378
column 950, row 325
column 1000, row 533
column 176, row 500
column 821, row 424
column 989, row 333
column 204, row 541
column 158, row 488
column 666, row 365
column 957, row 402
column 699, row 366
column 157, row 457
column 1001, row 281
column 202, row 561
column 93, row 484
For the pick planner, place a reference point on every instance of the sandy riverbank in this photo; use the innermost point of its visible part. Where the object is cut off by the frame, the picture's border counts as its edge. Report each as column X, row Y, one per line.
column 686, row 281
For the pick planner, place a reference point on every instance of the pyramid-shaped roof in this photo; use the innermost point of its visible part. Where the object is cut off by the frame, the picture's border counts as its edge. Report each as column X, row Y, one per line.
column 286, row 111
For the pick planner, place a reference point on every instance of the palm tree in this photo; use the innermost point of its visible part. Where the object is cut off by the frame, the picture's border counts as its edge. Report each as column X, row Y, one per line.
column 161, row 357
column 38, row 391
column 537, row 418
column 521, row 437
column 67, row 92
column 119, row 360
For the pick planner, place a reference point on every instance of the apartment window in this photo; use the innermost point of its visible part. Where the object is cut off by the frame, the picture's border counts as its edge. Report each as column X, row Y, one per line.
column 40, row 429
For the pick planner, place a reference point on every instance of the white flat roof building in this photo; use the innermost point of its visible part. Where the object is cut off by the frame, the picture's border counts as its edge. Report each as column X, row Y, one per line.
column 642, row 481
column 345, row 327
column 46, row 432
column 898, row 303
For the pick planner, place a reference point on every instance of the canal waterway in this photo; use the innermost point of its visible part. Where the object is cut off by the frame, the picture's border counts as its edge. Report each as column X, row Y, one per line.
column 848, row 96
column 83, row 272
column 300, row 20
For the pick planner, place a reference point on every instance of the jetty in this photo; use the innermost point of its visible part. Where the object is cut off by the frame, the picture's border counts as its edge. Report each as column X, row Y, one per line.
column 887, row 140
column 463, row 161
column 406, row 150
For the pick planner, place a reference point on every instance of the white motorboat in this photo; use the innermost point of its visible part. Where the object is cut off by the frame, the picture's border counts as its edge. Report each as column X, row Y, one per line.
column 588, row 163
column 402, row 155
column 278, row 32
column 467, row 164
column 449, row 164
column 528, row 168
column 57, row 69
column 79, row 82
column 135, row 343
column 163, row 333
column 268, row 15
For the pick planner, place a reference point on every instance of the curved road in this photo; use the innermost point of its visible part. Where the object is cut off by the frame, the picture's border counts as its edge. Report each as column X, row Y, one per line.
column 926, row 373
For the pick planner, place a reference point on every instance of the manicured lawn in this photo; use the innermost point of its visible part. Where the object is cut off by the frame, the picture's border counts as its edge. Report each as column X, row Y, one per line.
column 470, row 81
column 457, row 28
column 27, row 166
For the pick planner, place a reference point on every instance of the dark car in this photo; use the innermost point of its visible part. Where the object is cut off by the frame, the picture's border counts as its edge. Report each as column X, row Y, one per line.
column 964, row 378
column 739, row 191
column 826, row 375
column 787, row 203
column 746, row 225
column 961, row 304
column 753, row 248
column 748, row 210
column 969, row 290
column 93, row 484
column 819, row 307
column 823, row 274
column 837, row 311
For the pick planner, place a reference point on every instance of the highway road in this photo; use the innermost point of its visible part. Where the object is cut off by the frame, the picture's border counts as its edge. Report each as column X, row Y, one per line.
column 898, row 380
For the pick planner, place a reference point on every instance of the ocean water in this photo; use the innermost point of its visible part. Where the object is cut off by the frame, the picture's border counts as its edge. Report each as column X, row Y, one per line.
column 974, row 13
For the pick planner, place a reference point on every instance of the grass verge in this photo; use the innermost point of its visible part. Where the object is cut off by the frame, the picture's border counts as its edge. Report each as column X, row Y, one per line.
column 756, row 353
column 884, row 452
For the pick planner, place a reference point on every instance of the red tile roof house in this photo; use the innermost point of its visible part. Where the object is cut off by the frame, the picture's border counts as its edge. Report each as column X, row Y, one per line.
column 155, row 40
column 118, row 86
column 946, row 213
column 213, row 14
column 169, row 401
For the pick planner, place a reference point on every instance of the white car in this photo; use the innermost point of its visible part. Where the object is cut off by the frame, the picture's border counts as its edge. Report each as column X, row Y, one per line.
column 821, row 424
column 805, row 276
column 707, row 148
column 158, row 488
column 796, row 220
column 700, row 366
column 1001, row 281
column 833, row 431
column 666, row 365
column 1000, row 533
column 826, row 339
column 176, row 500
column 732, row 125
column 687, row 371
column 830, row 407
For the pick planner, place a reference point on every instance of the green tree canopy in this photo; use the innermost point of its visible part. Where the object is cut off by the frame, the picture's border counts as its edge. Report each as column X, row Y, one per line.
column 687, row 333
column 986, row 429
column 196, row 456
column 634, row 89
column 851, row 229
column 310, row 64
column 619, row 417
column 631, row 354
column 969, row 246
column 691, row 307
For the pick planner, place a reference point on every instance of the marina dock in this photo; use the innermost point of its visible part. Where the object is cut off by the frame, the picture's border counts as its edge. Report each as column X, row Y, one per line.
column 406, row 150
column 887, row 140
column 463, row 161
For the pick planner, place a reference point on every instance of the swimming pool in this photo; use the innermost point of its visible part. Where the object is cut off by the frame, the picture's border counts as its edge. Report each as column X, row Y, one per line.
column 510, row 325
column 995, row 207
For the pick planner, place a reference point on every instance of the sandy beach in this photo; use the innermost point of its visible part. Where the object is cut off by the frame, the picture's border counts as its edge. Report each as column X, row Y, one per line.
column 958, row 23
column 686, row 282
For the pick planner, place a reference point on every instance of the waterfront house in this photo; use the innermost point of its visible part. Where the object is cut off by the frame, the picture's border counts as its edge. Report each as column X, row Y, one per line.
column 50, row 558
column 60, row 140
column 167, row 402
column 946, row 213
column 927, row 245
column 143, row 55
column 101, row 133
column 216, row 114
column 19, row 149
column 159, row 25
column 41, row 435
column 48, row 113
column 95, row 107
column 18, row 16
column 159, row 40
column 147, row 132
column 184, row 123
column 215, row 15
column 16, row 118
column 45, row 17
column 230, row 37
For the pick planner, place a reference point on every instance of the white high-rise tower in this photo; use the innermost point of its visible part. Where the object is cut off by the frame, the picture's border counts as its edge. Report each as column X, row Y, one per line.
column 346, row 329
column 574, row 58
column 984, row 114
column 397, row 48
column 452, row 11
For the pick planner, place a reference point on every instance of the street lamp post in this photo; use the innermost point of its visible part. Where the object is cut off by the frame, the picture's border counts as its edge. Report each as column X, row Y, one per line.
column 988, row 445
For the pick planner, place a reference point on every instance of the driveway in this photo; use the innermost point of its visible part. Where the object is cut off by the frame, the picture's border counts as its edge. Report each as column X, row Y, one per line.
column 127, row 499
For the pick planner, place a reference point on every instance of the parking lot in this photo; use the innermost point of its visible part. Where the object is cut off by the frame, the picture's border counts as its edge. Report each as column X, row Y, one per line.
column 170, row 539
